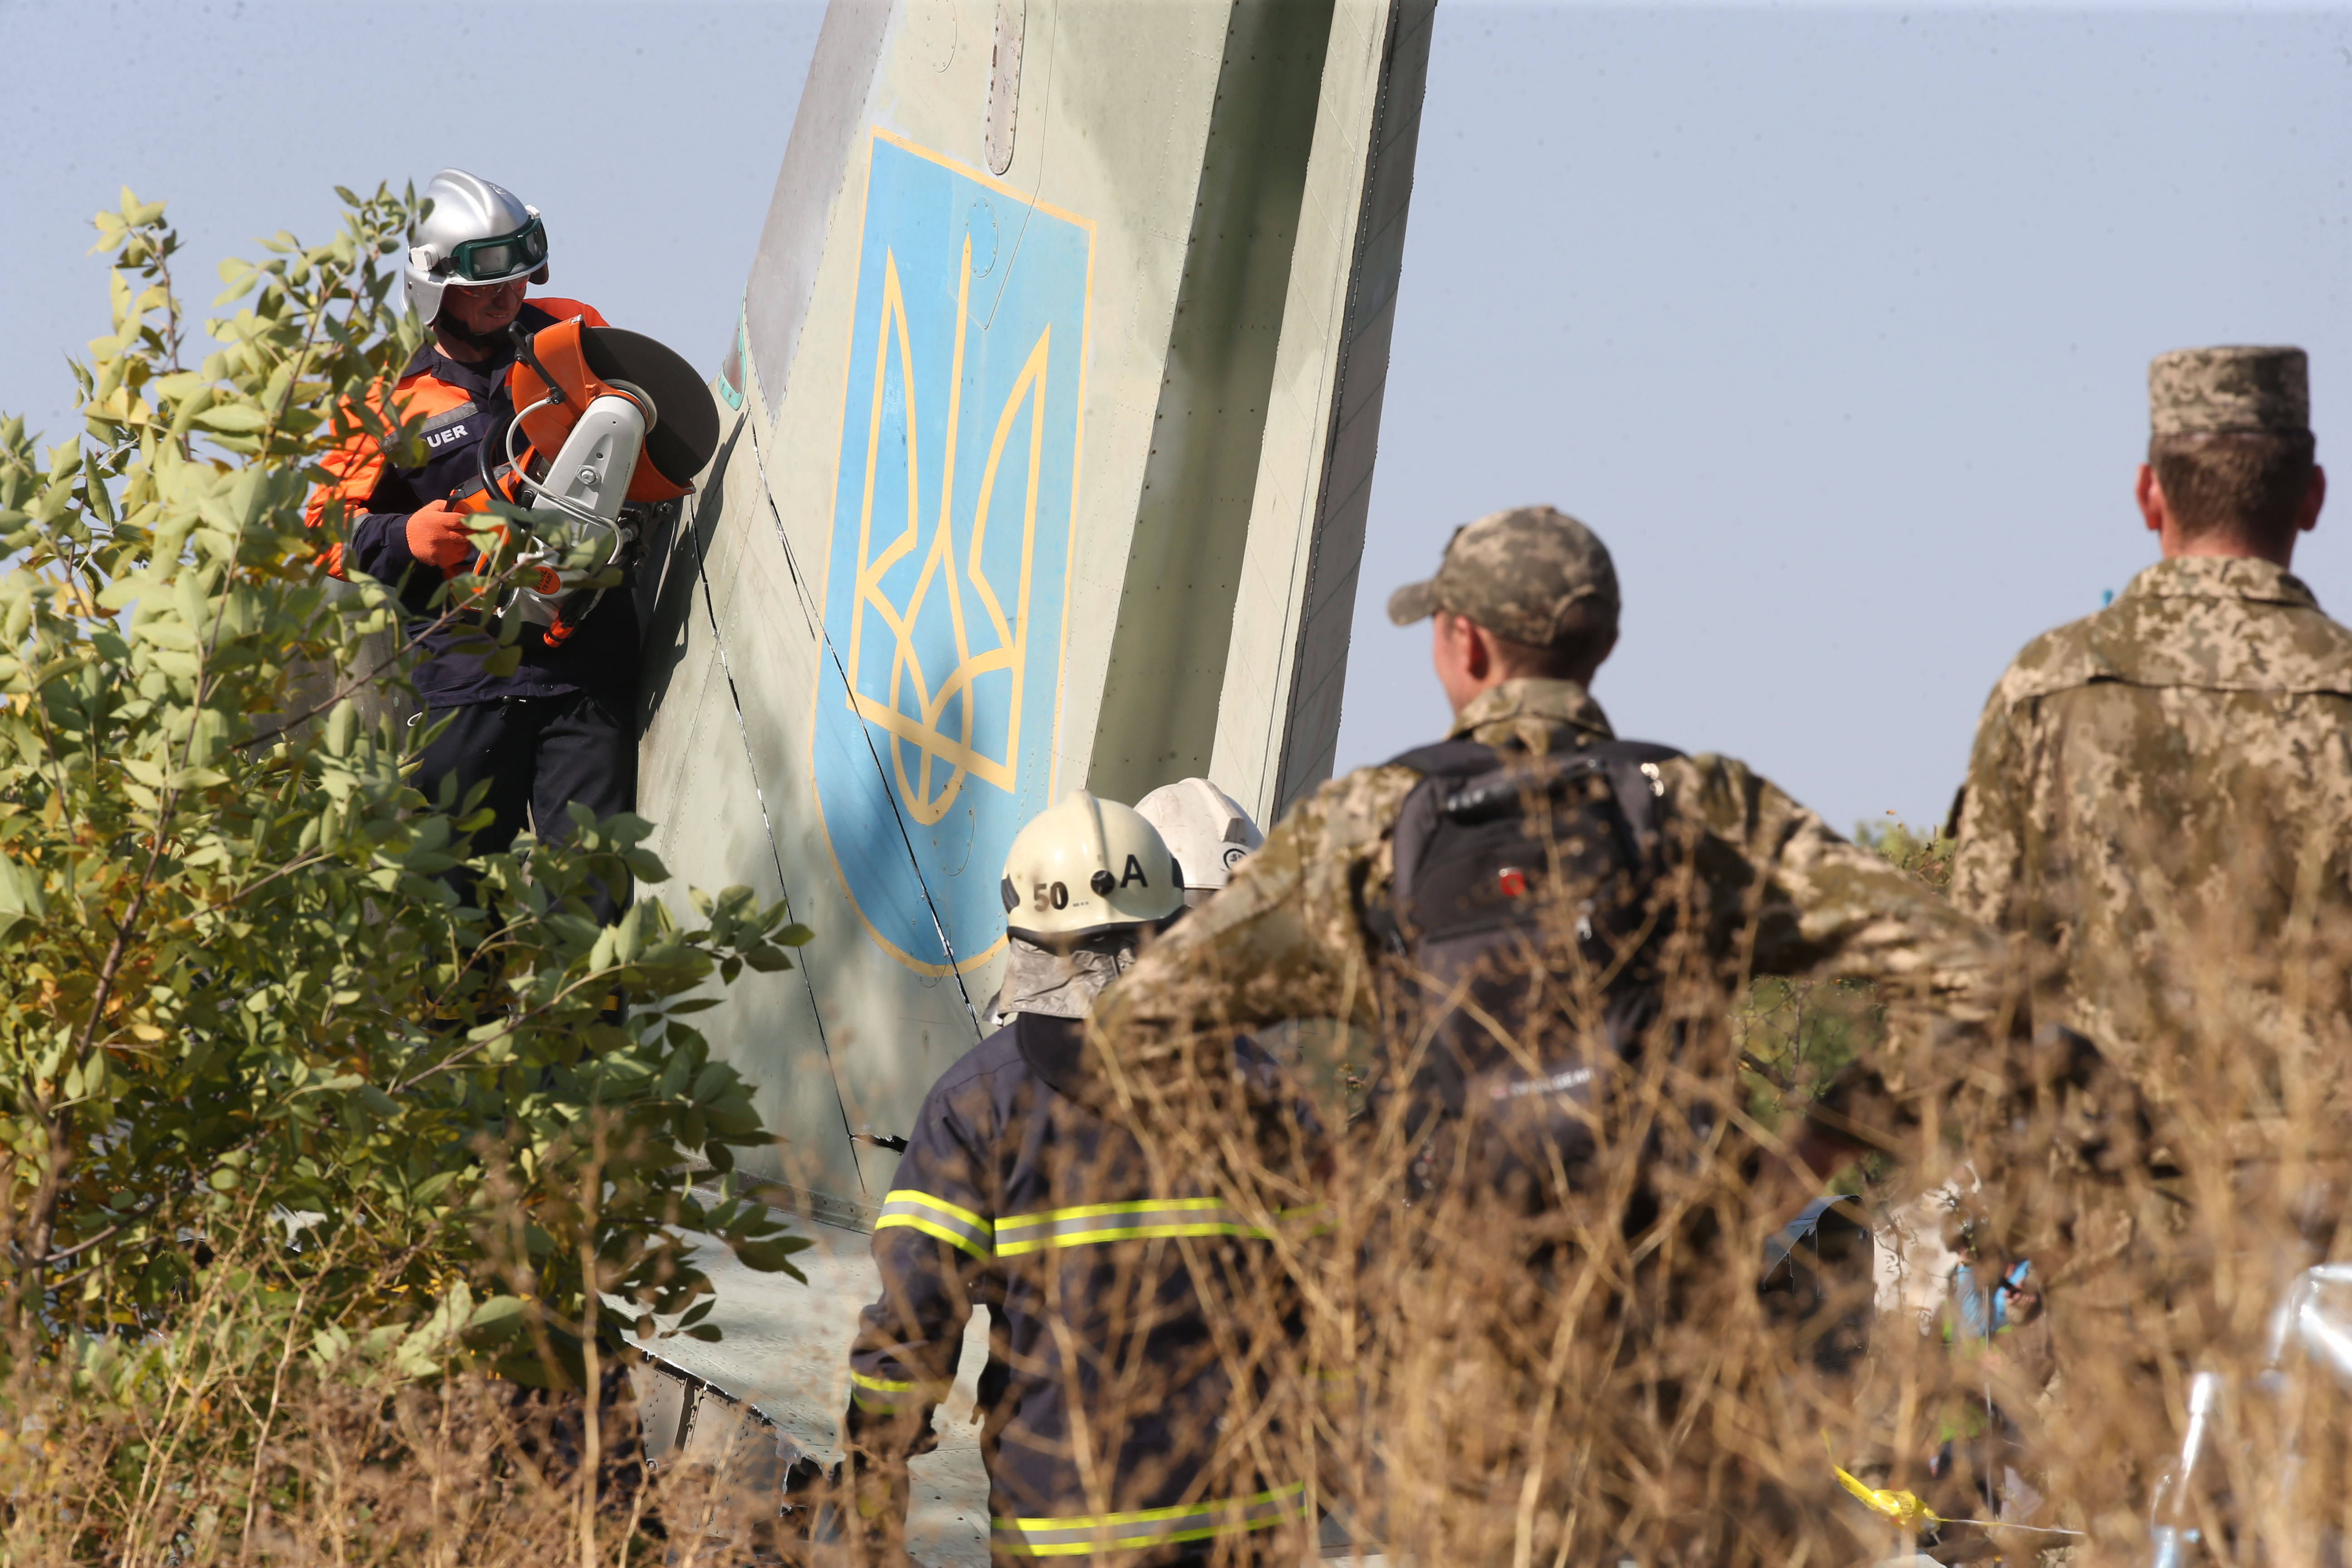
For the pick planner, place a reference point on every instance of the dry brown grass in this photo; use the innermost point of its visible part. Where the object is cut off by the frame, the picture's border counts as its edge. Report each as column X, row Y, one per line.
column 1585, row 1371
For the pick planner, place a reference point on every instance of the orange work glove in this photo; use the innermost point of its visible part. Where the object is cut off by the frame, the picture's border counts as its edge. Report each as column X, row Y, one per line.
column 441, row 537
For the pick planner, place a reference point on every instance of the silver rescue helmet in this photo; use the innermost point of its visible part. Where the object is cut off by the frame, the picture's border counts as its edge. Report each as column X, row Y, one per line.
column 1084, row 868
column 477, row 235
column 1207, row 831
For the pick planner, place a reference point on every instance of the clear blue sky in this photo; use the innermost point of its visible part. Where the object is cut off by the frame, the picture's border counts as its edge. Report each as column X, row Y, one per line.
column 1833, row 320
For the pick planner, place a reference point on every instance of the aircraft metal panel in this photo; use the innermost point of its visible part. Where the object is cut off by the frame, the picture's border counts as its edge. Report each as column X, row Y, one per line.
column 1037, row 478
column 875, row 624
column 1193, row 520
column 1354, row 443
column 825, row 127
column 1274, row 737
column 1322, row 660
column 1324, row 622
column 769, row 612
column 699, row 746
column 1122, row 141
column 1399, row 130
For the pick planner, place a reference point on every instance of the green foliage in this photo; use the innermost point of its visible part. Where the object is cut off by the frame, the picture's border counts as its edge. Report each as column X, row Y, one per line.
column 1928, row 856
column 241, row 987
column 1799, row 1034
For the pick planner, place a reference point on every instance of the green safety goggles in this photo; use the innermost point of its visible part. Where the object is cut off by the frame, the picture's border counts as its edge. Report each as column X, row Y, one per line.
column 496, row 259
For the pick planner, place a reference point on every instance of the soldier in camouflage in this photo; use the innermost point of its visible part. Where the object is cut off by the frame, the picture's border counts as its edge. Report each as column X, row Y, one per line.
column 1525, row 609
column 2158, row 807
column 2181, row 760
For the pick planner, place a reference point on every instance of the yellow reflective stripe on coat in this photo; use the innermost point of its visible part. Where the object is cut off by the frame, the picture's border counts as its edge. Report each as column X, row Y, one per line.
column 864, row 1392
column 937, row 1218
column 1145, row 1219
column 1336, row 1390
column 1149, row 1527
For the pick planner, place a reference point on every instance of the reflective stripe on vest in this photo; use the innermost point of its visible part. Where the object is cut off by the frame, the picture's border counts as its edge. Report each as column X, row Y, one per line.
column 937, row 1218
column 1150, row 1527
column 1144, row 1220
column 446, row 427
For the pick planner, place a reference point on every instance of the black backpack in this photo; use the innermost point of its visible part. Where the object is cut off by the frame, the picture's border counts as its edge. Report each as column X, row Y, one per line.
column 1524, row 897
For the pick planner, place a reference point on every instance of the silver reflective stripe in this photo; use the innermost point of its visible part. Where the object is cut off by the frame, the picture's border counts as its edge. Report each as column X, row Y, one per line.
column 1558, row 1083
column 447, row 418
column 937, row 1218
column 1143, row 1220
column 1149, row 1527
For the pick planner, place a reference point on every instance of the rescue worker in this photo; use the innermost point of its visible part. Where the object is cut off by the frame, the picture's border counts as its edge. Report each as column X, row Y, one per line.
column 1524, row 610
column 560, row 729
column 1207, row 831
column 1124, row 1296
column 2158, row 806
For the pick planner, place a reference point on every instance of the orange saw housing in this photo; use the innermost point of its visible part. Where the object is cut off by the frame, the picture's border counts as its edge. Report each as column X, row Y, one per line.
column 563, row 353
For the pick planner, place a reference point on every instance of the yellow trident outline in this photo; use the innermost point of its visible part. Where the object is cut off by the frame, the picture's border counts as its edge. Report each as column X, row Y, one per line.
column 1011, row 652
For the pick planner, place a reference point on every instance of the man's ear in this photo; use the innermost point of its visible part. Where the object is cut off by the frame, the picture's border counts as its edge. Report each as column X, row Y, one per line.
column 2313, row 497
column 2146, row 489
column 1478, row 652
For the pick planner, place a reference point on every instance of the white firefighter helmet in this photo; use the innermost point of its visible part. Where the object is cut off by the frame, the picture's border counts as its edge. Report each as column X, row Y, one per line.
column 1207, row 831
column 477, row 233
column 1084, row 867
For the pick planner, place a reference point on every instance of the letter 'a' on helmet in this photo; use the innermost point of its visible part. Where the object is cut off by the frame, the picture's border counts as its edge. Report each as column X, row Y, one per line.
column 1207, row 831
column 1084, row 867
column 478, row 233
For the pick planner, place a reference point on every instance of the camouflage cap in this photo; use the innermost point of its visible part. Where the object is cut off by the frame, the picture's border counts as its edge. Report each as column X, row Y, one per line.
column 1531, row 574
column 2199, row 392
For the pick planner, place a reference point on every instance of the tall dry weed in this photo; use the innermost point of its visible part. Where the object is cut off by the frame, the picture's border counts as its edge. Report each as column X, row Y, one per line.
column 239, row 1431
column 1508, row 1346
column 1499, row 1346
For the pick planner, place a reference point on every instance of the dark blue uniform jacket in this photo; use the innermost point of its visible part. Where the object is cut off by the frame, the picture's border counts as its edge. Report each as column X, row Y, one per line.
column 466, row 404
column 1105, row 1391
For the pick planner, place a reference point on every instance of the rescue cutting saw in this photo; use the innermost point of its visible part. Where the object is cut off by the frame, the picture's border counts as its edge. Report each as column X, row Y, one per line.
column 607, row 426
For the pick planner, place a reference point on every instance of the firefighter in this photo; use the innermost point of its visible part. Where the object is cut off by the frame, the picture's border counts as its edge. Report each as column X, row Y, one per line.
column 1126, row 1308
column 560, row 728
column 1207, row 831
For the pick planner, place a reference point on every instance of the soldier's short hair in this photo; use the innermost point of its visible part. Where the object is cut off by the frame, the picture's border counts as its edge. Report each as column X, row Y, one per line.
column 1570, row 656
column 2249, row 484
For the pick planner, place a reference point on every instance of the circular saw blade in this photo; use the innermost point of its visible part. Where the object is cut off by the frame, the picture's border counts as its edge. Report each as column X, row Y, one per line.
column 687, row 429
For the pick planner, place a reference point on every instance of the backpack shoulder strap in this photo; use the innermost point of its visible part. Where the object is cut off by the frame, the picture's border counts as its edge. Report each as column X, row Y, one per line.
column 1633, row 770
column 1457, row 757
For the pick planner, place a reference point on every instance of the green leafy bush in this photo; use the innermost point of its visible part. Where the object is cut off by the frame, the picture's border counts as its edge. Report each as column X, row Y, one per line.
column 242, row 993
column 1797, row 1035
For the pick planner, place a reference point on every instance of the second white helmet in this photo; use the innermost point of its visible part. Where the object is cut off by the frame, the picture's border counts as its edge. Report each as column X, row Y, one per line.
column 1207, row 831
column 1084, row 865
column 478, row 234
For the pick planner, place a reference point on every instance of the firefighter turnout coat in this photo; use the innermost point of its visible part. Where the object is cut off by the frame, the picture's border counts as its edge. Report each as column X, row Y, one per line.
column 1126, row 1306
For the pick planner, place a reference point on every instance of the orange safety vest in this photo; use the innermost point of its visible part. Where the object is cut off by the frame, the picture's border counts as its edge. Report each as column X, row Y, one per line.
column 356, row 465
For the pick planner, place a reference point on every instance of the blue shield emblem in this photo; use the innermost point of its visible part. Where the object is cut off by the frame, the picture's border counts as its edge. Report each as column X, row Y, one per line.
column 939, row 691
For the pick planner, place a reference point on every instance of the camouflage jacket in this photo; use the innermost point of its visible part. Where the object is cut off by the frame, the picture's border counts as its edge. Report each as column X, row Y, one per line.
column 1288, row 938
column 2160, row 798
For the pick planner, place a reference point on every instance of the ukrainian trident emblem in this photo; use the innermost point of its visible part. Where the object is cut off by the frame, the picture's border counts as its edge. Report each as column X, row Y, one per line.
column 939, row 690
